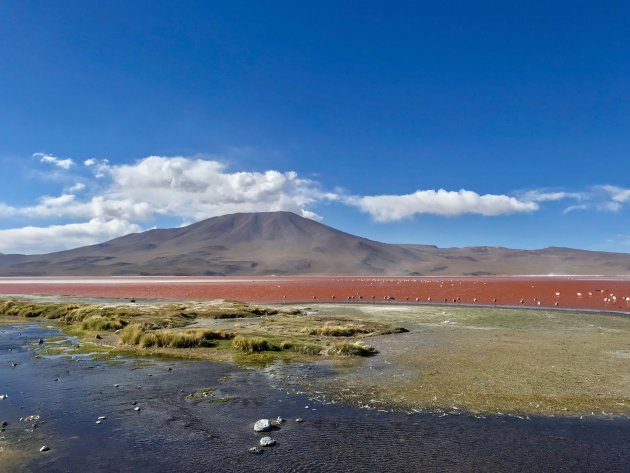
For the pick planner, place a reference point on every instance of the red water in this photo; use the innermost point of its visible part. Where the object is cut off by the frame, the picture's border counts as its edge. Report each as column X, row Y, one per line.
column 561, row 292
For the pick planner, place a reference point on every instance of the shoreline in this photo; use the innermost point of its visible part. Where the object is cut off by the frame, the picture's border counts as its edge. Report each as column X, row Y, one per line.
column 434, row 325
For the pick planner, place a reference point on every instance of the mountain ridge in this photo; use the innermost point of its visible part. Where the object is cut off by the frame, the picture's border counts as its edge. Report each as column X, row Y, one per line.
column 284, row 243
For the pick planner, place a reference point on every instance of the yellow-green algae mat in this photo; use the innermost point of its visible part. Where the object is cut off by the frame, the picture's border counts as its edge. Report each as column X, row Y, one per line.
column 491, row 361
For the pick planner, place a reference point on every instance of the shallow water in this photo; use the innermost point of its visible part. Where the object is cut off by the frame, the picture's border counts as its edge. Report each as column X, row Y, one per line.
column 170, row 433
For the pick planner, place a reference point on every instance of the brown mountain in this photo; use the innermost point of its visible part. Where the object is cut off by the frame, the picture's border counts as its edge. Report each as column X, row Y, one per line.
column 284, row 243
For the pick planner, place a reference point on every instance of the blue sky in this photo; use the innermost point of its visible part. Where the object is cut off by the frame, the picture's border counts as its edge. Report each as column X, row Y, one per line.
column 447, row 123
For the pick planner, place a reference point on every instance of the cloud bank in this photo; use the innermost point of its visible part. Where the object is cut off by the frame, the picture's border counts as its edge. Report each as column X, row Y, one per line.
column 387, row 208
column 102, row 200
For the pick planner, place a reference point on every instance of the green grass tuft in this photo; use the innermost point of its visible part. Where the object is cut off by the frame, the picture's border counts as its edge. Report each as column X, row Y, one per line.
column 351, row 349
column 252, row 344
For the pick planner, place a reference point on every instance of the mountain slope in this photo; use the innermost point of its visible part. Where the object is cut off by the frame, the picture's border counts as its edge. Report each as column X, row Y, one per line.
column 284, row 243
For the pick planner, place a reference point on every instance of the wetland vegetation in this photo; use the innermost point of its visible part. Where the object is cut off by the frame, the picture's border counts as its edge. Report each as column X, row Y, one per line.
column 205, row 330
column 448, row 359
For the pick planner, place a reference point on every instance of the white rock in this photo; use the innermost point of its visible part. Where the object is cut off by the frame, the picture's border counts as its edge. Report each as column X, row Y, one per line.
column 137, row 408
column 102, row 418
column 44, row 448
column 3, row 396
column 262, row 425
column 267, row 442
column 299, row 419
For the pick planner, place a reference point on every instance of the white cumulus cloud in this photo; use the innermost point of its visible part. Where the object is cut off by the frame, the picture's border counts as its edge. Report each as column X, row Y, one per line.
column 199, row 188
column 385, row 208
column 55, row 237
column 50, row 159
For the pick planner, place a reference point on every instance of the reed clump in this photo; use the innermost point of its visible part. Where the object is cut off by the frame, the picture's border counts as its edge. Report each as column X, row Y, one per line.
column 335, row 330
column 135, row 334
column 253, row 344
column 351, row 349
column 100, row 323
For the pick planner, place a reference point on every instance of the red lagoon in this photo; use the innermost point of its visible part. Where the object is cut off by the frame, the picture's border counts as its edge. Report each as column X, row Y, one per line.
column 583, row 292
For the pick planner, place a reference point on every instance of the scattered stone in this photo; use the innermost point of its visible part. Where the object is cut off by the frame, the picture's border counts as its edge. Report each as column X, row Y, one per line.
column 137, row 408
column 13, row 365
column 102, row 418
column 98, row 337
column 4, row 423
column 44, row 448
column 299, row 419
column 98, row 421
column 116, row 385
column 134, row 403
column 262, row 425
column 255, row 450
column 3, row 396
column 40, row 341
column 267, row 442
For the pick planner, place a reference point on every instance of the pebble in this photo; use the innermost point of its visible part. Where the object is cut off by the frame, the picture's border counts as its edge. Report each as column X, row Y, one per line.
column 255, row 450
column 44, row 448
column 3, row 396
column 116, row 385
column 98, row 421
column 299, row 419
column 137, row 408
column 267, row 442
column 102, row 418
column 262, row 425
column 134, row 403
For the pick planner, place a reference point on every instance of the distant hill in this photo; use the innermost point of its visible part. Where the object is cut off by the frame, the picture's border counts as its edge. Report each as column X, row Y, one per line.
column 283, row 243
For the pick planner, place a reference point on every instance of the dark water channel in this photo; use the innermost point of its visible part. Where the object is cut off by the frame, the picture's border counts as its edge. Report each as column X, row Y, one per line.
column 171, row 433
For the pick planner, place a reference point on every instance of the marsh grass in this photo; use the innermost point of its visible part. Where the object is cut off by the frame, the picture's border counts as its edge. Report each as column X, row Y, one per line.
column 253, row 344
column 135, row 334
column 334, row 330
column 132, row 334
column 283, row 333
column 100, row 323
column 351, row 349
